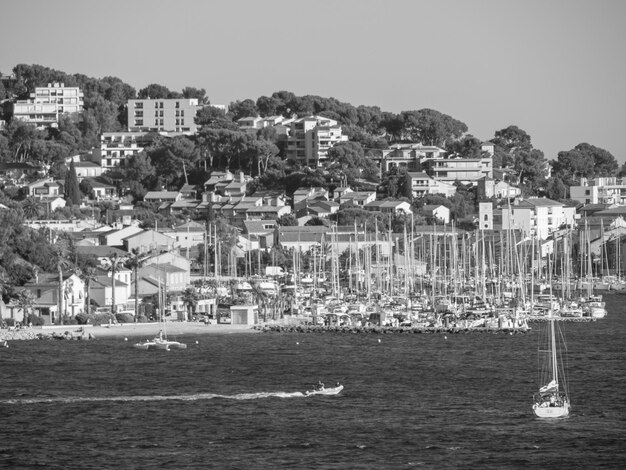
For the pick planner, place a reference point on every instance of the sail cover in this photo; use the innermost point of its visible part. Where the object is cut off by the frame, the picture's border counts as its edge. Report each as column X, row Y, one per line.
column 552, row 386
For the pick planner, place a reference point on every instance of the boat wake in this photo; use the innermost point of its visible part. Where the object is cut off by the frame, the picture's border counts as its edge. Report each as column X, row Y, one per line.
column 147, row 398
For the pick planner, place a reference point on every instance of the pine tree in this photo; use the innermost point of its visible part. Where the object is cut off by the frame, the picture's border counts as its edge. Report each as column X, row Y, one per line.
column 72, row 191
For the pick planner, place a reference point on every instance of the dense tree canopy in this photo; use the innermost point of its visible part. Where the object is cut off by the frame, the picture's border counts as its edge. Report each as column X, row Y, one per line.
column 585, row 161
column 240, row 109
column 349, row 158
column 467, row 146
column 155, row 91
column 220, row 143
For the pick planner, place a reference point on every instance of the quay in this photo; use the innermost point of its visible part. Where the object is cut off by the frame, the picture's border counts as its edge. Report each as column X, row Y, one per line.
column 275, row 328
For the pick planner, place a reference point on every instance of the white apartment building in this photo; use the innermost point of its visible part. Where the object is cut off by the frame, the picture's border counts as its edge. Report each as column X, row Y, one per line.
column 422, row 185
column 602, row 190
column 536, row 216
column 465, row 170
column 310, row 139
column 47, row 103
column 117, row 147
column 408, row 156
column 169, row 115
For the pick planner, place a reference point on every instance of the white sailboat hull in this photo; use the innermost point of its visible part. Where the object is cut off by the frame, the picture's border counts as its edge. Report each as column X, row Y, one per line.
column 160, row 344
column 543, row 410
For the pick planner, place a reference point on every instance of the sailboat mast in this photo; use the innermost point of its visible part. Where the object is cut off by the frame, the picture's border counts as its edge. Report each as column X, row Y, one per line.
column 552, row 333
column 553, row 353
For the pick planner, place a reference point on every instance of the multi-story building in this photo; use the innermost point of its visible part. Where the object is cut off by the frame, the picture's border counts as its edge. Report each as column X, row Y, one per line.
column 117, row 147
column 310, row 139
column 46, row 104
column 170, row 115
column 533, row 217
column 422, row 185
column 603, row 190
column 465, row 170
column 408, row 156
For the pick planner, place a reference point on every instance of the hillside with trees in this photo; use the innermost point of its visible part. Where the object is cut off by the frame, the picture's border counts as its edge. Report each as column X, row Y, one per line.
column 220, row 143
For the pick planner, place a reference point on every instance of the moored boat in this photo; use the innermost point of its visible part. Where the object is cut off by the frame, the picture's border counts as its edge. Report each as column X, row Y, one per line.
column 160, row 342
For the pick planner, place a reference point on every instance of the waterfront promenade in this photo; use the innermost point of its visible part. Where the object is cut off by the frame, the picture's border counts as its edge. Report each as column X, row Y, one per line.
column 124, row 330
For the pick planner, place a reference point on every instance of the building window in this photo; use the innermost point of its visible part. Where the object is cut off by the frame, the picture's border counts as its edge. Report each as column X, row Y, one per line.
column 177, row 104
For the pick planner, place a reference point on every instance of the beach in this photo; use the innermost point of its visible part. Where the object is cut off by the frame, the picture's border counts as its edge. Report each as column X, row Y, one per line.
column 130, row 330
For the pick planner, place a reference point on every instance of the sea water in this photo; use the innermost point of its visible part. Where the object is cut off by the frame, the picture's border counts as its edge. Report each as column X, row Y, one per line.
column 235, row 401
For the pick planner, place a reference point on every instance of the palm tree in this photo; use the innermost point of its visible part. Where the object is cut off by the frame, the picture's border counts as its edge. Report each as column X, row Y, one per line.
column 62, row 249
column 115, row 260
column 5, row 286
column 133, row 263
column 261, row 300
column 88, row 274
column 31, row 208
column 190, row 299
column 25, row 300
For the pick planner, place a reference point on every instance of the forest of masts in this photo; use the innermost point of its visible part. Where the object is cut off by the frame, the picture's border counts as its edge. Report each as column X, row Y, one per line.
column 489, row 265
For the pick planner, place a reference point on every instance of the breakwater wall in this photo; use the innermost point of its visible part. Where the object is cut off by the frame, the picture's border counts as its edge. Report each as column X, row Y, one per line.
column 381, row 330
column 567, row 319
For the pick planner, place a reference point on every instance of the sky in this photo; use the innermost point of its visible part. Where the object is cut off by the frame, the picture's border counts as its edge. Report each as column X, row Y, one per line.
column 554, row 68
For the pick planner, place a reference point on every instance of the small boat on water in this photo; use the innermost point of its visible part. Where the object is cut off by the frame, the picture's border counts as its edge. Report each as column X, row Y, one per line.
column 321, row 390
column 160, row 342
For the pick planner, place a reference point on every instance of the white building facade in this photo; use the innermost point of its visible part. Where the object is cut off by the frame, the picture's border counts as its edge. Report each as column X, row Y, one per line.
column 169, row 115
column 537, row 217
column 310, row 139
column 46, row 104
column 604, row 190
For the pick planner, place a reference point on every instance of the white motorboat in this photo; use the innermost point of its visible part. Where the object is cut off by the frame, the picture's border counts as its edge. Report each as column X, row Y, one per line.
column 324, row 390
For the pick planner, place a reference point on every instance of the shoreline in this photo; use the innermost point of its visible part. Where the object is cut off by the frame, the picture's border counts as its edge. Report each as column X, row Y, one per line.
column 134, row 330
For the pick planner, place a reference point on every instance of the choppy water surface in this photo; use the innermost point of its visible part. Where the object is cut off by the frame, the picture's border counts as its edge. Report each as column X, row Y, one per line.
column 235, row 401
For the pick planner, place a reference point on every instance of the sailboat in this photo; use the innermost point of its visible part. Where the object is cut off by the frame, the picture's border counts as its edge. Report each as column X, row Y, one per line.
column 160, row 341
column 552, row 399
